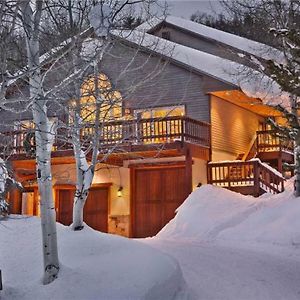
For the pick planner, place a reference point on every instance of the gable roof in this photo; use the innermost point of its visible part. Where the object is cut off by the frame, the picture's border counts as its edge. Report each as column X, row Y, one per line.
column 232, row 40
column 253, row 83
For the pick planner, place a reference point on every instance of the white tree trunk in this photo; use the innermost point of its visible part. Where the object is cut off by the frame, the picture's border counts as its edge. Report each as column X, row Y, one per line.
column 44, row 134
column 297, row 170
column 84, row 181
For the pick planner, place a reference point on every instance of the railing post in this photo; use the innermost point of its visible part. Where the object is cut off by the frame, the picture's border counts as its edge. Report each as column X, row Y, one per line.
column 282, row 185
column 182, row 129
column 256, row 173
column 209, row 175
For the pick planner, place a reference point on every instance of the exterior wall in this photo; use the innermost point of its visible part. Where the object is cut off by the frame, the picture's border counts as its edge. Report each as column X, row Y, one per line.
column 233, row 129
column 199, row 172
column 144, row 79
column 148, row 81
column 119, row 207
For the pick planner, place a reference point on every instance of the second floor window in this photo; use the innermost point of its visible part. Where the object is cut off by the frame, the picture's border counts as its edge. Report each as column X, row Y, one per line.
column 99, row 98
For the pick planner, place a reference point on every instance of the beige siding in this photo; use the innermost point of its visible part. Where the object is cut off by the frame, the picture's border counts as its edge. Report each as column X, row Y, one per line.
column 233, row 127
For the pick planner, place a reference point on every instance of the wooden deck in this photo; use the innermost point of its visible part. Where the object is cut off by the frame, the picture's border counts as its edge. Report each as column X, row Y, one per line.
column 246, row 177
column 122, row 137
column 273, row 148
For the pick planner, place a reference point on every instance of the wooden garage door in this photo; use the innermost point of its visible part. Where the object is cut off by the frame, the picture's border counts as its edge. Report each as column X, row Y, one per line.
column 95, row 211
column 157, row 194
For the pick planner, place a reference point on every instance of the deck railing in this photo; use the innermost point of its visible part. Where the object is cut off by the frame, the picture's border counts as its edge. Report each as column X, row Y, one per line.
column 272, row 140
column 122, row 132
column 239, row 174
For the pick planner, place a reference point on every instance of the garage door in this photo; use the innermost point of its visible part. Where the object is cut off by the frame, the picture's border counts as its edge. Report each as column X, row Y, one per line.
column 156, row 195
column 95, row 211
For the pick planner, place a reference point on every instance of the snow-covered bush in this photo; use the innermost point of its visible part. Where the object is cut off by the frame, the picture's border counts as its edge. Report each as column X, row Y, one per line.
column 4, row 208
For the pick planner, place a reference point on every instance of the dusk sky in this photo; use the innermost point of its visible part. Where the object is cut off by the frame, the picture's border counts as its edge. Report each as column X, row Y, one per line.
column 185, row 8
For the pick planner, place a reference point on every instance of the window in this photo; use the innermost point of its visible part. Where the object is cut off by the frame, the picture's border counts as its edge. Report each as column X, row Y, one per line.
column 99, row 98
column 166, row 35
column 160, row 128
column 161, row 112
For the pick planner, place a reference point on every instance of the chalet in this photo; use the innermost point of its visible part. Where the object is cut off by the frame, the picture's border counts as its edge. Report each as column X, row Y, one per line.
column 186, row 118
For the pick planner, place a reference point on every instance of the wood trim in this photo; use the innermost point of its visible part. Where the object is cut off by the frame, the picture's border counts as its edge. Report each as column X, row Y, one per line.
column 157, row 165
column 73, row 186
column 132, row 202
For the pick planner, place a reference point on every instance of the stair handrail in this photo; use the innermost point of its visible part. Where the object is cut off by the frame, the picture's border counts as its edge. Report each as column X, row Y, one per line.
column 252, row 144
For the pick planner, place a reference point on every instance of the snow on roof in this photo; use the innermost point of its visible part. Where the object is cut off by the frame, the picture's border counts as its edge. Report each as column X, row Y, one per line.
column 238, row 42
column 252, row 83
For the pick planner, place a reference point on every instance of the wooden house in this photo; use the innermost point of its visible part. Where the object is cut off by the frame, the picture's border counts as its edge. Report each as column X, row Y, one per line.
column 190, row 124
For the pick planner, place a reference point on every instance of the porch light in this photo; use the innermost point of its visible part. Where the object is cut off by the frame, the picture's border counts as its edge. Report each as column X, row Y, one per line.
column 120, row 192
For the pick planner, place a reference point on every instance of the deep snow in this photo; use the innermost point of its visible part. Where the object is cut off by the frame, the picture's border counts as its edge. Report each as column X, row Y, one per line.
column 212, row 213
column 231, row 246
column 94, row 265
column 228, row 246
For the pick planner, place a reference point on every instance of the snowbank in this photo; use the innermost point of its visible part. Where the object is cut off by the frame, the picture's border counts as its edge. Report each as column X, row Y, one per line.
column 212, row 213
column 94, row 265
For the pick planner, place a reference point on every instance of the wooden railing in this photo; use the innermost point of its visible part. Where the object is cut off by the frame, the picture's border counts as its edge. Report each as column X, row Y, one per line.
column 272, row 140
column 239, row 174
column 123, row 132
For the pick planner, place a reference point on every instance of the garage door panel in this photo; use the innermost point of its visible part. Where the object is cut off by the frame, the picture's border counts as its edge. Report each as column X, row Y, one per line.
column 169, row 211
column 95, row 213
column 174, row 184
column 157, row 194
column 96, row 209
column 65, row 206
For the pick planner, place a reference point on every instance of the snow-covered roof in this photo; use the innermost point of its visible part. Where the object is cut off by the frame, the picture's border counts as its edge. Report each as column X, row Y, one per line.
column 252, row 83
column 235, row 41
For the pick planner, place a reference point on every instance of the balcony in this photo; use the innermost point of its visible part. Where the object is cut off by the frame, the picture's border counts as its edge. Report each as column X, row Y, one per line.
column 118, row 136
column 273, row 148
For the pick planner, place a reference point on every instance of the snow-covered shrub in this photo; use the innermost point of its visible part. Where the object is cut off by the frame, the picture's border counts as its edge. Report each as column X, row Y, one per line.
column 4, row 208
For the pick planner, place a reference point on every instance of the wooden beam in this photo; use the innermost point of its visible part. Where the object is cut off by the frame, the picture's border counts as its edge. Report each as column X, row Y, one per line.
column 188, row 171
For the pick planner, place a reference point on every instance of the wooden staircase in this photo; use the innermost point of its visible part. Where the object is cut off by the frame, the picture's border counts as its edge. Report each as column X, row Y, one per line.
column 253, row 172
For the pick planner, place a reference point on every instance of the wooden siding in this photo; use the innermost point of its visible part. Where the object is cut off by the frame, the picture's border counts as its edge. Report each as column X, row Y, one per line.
column 168, row 84
column 144, row 79
column 233, row 127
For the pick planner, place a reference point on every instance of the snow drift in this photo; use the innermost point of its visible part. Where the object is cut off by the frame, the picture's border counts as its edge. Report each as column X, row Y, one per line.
column 94, row 265
column 212, row 213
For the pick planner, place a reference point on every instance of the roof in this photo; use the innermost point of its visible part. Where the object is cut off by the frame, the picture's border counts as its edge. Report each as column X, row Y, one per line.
column 254, row 105
column 253, row 83
column 232, row 40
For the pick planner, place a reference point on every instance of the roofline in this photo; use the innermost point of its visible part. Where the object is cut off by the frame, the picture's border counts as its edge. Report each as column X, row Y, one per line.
column 175, row 62
column 197, row 35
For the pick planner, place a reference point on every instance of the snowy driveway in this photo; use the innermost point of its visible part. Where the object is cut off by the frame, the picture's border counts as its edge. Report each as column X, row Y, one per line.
column 217, row 272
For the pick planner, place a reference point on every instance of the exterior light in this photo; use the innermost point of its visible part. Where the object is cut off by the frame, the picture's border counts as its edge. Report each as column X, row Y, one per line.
column 120, row 192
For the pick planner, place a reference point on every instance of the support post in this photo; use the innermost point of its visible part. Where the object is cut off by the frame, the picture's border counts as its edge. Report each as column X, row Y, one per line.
column 256, row 179
column 188, row 171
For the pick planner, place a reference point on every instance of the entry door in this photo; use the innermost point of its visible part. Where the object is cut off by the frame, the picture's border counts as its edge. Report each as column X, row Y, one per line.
column 95, row 213
column 65, row 206
column 157, row 194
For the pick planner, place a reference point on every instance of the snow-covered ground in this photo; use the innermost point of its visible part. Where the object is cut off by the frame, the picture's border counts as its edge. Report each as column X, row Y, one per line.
column 228, row 246
column 93, row 266
column 231, row 246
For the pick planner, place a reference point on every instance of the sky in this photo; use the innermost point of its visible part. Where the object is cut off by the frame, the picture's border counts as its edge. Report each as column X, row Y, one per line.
column 185, row 8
